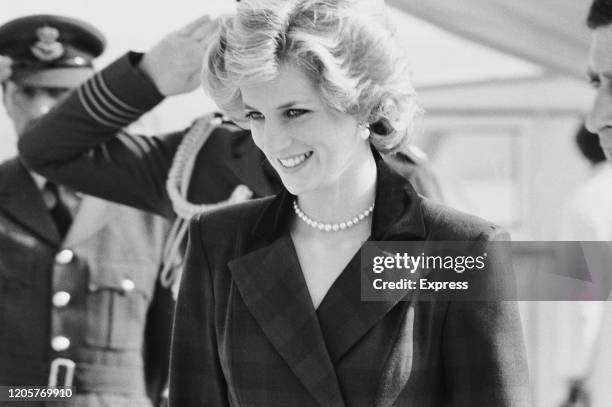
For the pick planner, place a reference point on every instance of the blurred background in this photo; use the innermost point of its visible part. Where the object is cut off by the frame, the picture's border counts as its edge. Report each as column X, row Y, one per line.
column 504, row 87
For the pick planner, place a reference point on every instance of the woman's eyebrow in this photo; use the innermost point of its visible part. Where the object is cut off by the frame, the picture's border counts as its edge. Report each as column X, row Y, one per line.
column 286, row 105
column 283, row 106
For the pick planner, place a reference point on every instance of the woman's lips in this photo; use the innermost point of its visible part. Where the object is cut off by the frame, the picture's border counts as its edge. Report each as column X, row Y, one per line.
column 295, row 160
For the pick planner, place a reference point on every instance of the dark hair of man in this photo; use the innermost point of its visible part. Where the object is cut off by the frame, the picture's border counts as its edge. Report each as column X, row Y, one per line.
column 600, row 14
column 589, row 146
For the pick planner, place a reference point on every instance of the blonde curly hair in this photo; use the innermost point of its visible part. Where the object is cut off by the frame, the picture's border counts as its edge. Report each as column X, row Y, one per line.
column 341, row 45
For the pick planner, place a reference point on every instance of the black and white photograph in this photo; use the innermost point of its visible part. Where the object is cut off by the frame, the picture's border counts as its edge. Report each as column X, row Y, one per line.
column 306, row 203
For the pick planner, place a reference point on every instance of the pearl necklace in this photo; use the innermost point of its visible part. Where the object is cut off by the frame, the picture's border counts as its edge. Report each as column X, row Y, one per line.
column 331, row 227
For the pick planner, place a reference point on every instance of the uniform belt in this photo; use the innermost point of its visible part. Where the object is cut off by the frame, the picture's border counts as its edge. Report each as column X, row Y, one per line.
column 93, row 378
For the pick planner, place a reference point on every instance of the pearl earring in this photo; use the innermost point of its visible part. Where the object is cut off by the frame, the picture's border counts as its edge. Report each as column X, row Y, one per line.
column 364, row 131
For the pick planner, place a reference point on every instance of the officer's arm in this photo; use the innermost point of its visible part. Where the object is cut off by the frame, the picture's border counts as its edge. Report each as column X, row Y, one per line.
column 79, row 143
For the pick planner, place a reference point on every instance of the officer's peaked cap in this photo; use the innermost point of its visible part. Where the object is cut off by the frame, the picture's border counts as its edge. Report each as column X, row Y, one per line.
column 50, row 50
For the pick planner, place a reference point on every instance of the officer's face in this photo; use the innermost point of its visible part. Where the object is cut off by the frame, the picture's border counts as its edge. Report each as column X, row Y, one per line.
column 600, row 72
column 25, row 103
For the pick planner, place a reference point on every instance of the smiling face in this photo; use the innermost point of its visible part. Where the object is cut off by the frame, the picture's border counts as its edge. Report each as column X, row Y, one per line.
column 599, row 119
column 312, row 147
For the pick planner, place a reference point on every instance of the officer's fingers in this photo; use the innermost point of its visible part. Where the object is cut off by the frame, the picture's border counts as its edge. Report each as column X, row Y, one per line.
column 240, row 194
column 194, row 80
column 188, row 30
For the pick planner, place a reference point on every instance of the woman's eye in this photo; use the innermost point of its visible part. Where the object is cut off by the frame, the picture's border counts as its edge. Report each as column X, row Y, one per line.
column 254, row 116
column 292, row 113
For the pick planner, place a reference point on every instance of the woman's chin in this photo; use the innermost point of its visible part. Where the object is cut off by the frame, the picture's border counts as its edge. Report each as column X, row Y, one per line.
column 295, row 188
column 298, row 185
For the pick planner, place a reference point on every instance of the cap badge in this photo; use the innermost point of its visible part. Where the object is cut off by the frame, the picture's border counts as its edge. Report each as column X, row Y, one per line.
column 47, row 48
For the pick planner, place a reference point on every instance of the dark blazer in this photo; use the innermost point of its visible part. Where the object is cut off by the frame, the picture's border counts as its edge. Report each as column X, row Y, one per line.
column 119, row 334
column 246, row 332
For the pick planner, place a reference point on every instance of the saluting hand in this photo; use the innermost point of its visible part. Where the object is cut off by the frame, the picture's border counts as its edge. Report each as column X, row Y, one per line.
column 174, row 64
column 5, row 68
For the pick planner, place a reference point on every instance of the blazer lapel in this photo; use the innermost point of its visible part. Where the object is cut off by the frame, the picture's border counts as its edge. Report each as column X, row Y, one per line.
column 270, row 280
column 250, row 166
column 398, row 367
column 272, row 286
column 343, row 316
column 22, row 201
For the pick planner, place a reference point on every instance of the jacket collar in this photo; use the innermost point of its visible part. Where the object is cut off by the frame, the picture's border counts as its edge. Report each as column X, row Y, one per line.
column 273, row 288
column 398, row 216
column 21, row 199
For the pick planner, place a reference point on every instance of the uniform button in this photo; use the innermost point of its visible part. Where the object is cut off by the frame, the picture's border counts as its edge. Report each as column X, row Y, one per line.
column 60, row 343
column 127, row 285
column 61, row 299
column 64, row 257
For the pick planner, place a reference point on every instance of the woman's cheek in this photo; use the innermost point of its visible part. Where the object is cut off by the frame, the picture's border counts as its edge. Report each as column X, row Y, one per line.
column 257, row 135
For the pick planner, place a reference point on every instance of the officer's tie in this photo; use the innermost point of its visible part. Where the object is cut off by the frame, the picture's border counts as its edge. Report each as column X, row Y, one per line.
column 58, row 209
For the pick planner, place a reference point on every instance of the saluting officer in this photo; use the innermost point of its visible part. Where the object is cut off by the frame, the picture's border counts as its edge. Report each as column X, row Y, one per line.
column 80, row 303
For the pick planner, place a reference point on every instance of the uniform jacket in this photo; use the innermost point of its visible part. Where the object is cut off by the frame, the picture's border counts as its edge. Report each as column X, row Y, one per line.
column 81, row 140
column 246, row 332
column 117, row 320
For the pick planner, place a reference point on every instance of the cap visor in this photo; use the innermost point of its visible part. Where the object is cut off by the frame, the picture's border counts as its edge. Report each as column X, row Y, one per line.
column 52, row 78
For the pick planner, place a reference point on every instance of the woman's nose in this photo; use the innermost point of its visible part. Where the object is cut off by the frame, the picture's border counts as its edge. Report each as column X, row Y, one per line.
column 275, row 138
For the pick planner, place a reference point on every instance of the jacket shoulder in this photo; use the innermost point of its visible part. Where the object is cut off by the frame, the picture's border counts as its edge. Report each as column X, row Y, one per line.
column 225, row 142
column 9, row 164
column 228, row 132
column 11, row 172
column 446, row 223
column 230, row 221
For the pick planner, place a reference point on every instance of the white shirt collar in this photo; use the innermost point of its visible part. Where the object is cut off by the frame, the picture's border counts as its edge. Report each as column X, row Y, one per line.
column 38, row 179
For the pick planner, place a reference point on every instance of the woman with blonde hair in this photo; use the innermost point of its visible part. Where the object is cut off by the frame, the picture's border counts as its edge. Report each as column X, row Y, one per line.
column 269, row 310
